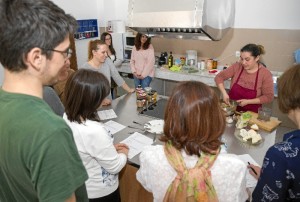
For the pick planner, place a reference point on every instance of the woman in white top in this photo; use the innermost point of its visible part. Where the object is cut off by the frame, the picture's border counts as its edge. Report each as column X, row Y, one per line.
column 84, row 93
column 189, row 166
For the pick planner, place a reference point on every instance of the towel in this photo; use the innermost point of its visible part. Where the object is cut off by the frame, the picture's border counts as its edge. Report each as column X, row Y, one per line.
column 297, row 56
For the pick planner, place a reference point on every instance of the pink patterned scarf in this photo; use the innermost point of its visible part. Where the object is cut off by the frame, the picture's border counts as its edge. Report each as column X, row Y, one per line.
column 193, row 184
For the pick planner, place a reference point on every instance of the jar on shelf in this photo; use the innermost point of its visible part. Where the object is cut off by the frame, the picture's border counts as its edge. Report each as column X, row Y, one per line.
column 209, row 64
column 140, row 102
column 139, row 90
column 148, row 89
column 215, row 64
column 182, row 60
column 202, row 64
column 154, row 98
column 150, row 97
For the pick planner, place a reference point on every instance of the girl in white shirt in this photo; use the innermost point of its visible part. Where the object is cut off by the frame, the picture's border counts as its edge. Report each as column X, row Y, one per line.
column 84, row 93
column 189, row 166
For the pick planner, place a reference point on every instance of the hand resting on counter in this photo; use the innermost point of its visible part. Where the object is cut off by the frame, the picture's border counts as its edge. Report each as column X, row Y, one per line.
column 106, row 102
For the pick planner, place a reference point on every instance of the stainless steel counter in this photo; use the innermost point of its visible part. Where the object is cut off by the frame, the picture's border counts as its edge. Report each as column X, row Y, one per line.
column 126, row 110
column 203, row 76
column 161, row 73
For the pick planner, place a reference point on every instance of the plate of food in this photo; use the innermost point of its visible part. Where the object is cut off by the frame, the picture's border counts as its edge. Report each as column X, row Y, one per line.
column 251, row 137
column 155, row 126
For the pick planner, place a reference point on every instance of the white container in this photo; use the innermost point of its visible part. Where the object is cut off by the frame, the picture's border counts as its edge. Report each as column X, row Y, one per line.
column 116, row 26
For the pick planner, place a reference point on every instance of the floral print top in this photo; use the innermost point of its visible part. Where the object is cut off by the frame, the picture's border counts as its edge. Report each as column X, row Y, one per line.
column 280, row 174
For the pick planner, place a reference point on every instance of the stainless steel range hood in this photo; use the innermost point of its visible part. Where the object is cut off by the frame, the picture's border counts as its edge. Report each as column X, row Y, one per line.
column 182, row 19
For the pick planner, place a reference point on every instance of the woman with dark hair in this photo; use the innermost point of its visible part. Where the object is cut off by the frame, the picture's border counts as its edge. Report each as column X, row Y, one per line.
column 106, row 37
column 111, row 53
column 189, row 166
column 98, row 61
column 84, row 93
column 251, row 82
column 142, row 61
column 279, row 178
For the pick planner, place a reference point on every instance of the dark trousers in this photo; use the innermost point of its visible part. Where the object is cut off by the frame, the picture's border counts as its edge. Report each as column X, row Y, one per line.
column 113, row 197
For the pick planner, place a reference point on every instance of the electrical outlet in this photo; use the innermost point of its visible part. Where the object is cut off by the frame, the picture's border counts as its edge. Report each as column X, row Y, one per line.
column 237, row 54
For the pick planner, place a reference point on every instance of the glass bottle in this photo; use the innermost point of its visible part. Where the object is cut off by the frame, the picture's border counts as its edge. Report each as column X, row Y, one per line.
column 170, row 60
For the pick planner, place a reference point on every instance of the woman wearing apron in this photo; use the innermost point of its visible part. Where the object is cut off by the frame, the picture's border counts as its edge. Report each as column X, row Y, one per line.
column 251, row 82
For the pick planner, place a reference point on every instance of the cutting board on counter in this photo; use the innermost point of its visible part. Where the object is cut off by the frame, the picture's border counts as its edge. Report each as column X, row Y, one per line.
column 264, row 125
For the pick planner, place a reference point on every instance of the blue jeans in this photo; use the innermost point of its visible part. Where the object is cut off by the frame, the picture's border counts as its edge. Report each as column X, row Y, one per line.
column 143, row 82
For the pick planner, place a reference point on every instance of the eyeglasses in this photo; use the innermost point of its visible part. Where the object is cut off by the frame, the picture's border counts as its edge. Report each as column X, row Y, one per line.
column 67, row 53
column 107, row 39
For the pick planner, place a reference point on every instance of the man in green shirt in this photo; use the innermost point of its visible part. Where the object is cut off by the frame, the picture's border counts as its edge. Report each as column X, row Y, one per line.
column 38, row 156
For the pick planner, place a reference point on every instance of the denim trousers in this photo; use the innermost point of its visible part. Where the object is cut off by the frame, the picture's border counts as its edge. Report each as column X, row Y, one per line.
column 143, row 82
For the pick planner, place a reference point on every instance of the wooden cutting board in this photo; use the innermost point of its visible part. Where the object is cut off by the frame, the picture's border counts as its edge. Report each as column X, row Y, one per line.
column 264, row 125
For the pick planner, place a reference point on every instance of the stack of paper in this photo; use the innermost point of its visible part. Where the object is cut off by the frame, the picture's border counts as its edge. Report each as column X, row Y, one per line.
column 113, row 126
column 107, row 114
column 251, row 181
column 136, row 142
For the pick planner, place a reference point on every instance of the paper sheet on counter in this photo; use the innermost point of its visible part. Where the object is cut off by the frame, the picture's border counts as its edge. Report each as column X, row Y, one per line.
column 250, row 180
column 136, row 142
column 107, row 114
column 113, row 126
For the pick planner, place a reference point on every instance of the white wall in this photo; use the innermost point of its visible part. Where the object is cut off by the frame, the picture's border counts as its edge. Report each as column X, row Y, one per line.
column 82, row 9
column 103, row 10
column 267, row 14
column 113, row 10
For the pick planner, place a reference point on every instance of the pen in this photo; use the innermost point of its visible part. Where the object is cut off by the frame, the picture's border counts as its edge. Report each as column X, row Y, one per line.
column 154, row 138
column 252, row 169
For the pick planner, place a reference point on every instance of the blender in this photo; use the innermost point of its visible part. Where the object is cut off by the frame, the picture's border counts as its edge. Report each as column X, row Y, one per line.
column 191, row 58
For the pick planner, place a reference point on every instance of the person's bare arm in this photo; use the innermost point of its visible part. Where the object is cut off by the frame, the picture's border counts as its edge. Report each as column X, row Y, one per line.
column 127, row 88
column 224, row 92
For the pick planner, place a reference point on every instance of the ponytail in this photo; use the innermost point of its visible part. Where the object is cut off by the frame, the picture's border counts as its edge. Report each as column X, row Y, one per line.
column 93, row 45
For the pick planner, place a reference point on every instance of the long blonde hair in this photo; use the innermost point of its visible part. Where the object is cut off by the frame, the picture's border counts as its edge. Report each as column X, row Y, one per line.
column 93, row 45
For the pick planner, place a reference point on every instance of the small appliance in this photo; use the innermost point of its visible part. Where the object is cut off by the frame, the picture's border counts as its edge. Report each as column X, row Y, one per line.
column 123, row 44
column 163, row 58
column 191, row 57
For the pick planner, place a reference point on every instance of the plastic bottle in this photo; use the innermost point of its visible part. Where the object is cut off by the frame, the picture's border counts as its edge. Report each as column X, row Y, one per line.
column 170, row 60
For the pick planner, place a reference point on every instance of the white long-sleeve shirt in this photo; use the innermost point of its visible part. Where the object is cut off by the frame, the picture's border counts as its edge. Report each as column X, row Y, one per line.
column 228, row 174
column 99, row 156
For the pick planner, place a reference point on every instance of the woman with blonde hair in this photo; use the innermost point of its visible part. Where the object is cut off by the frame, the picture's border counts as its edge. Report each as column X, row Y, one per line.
column 189, row 166
column 98, row 61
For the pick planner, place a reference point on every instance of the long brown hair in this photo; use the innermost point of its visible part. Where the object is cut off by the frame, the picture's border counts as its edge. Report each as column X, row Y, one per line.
column 194, row 120
column 111, row 47
column 93, row 45
column 138, row 44
column 84, row 92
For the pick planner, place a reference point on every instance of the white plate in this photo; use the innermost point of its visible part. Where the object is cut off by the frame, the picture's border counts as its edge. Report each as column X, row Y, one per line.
column 249, row 142
column 155, row 126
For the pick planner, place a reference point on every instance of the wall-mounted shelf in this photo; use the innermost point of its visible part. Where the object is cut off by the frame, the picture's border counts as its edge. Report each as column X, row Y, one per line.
column 86, row 29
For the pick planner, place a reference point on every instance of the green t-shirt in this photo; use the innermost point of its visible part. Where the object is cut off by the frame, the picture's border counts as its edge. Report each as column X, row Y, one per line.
column 39, row 160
